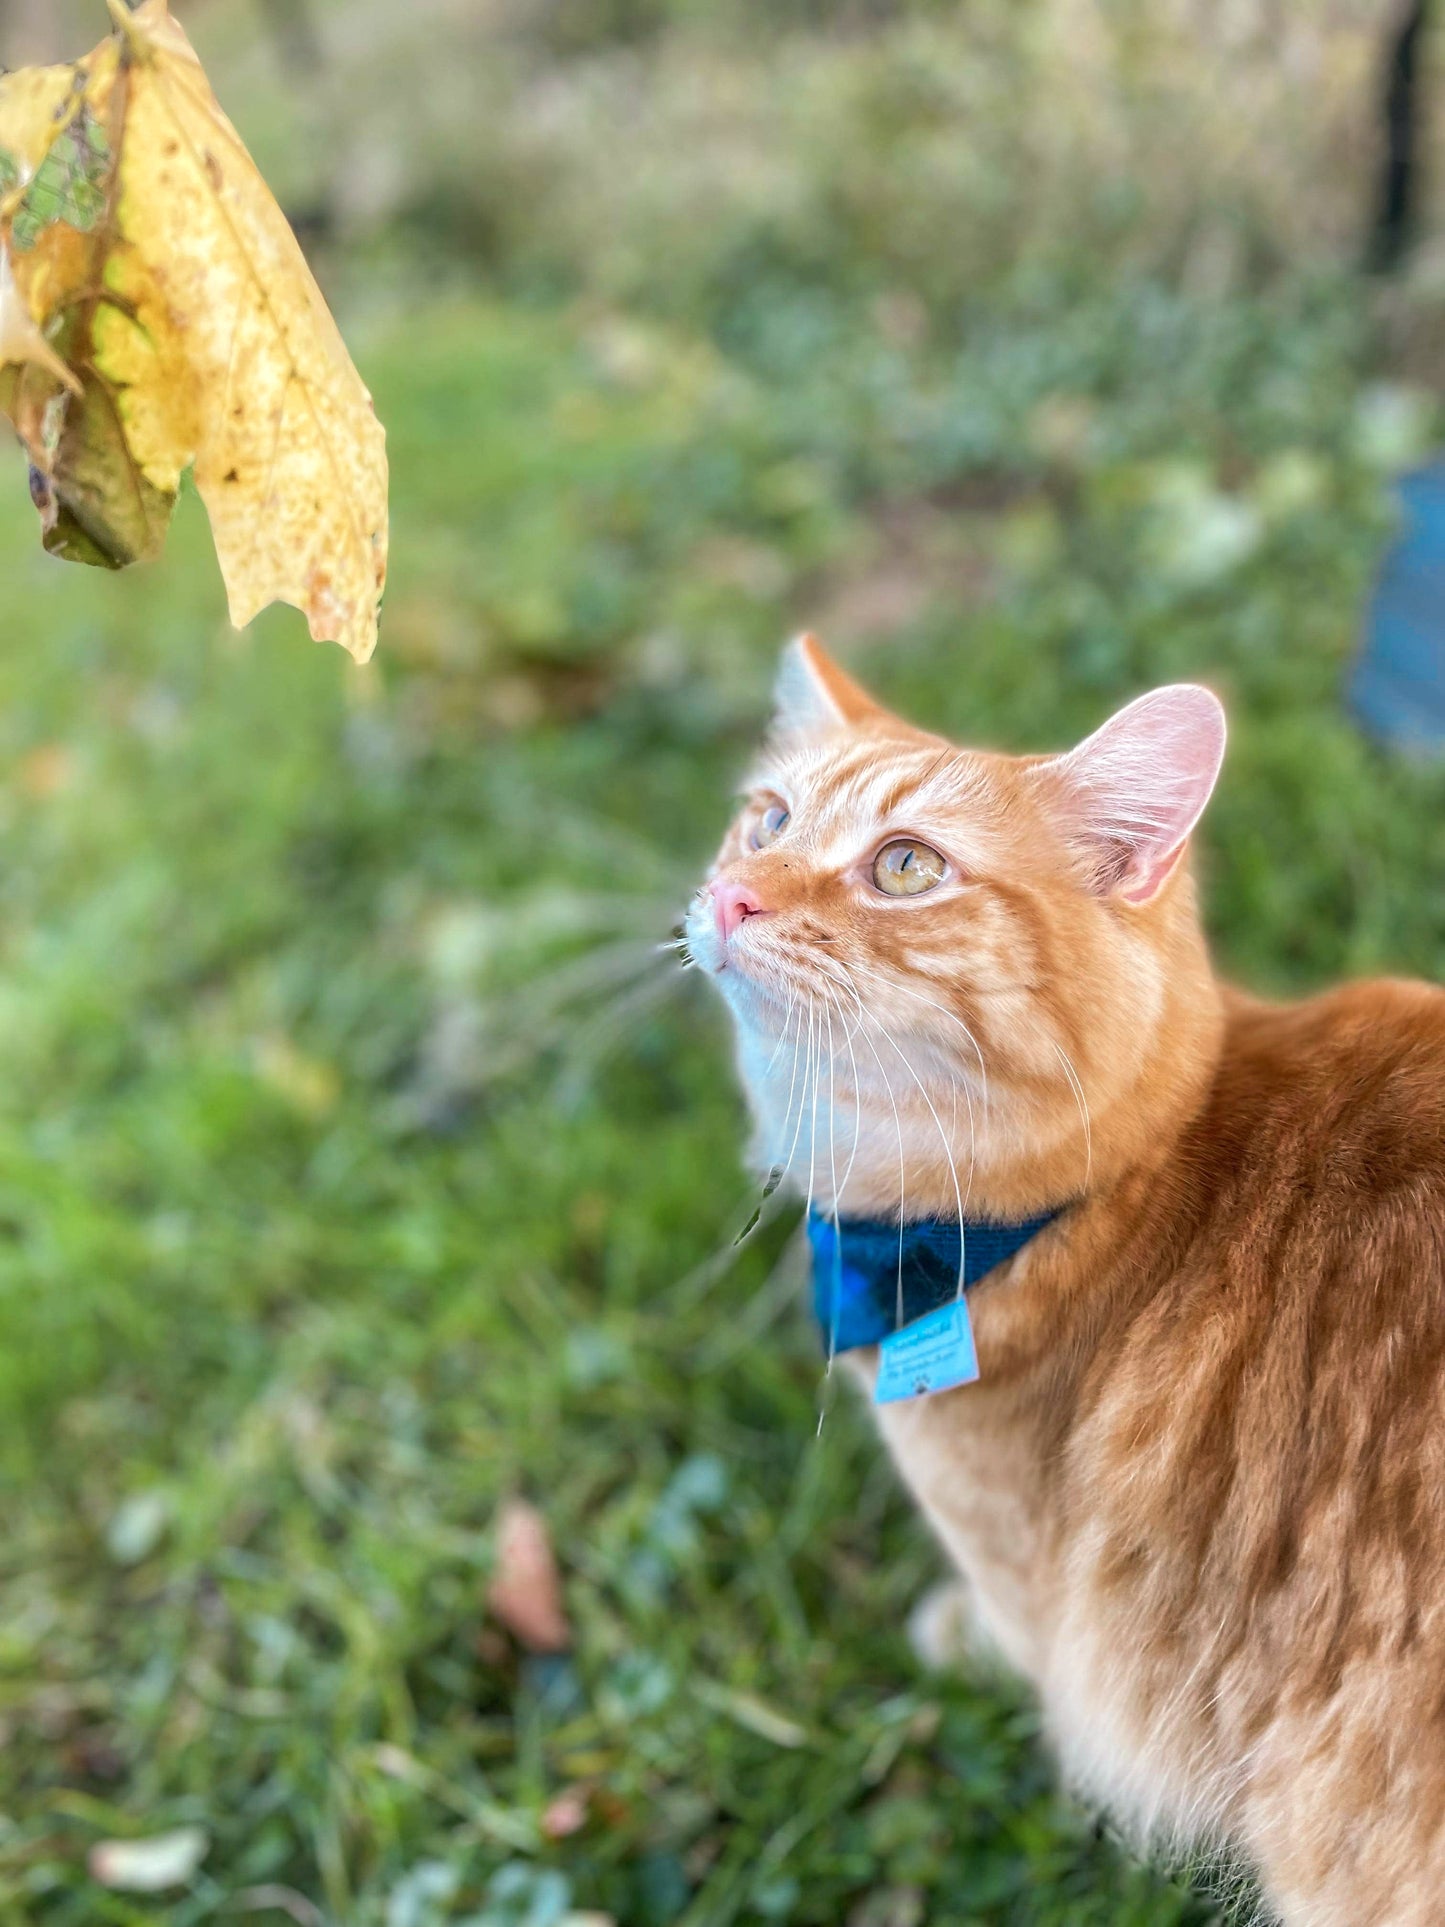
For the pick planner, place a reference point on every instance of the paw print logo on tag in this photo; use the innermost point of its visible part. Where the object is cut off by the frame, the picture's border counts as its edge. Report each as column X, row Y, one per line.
column 933, row 1354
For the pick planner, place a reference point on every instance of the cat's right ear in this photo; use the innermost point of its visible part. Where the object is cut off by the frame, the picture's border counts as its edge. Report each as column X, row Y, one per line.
column 1128, row 797
column 812, row 694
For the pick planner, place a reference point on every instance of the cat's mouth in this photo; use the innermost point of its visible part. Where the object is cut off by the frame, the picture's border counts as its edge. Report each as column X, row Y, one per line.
column 700, row 934
column 742, row 956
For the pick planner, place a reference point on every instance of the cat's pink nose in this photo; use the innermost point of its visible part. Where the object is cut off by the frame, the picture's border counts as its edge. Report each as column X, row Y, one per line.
column 732, row 902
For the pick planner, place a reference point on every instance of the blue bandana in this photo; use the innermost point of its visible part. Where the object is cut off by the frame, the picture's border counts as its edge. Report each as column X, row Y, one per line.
column 856, row 1271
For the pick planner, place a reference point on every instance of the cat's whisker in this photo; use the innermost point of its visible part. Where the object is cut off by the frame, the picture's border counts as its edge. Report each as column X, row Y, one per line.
column 942, row 1138
column 910, row 990
column 857, row 1096
column 813, row 1136
column 1083, row 1104
column 697, row 1283
column 803, row 1094
column 833, row 1181
column 597, row 1039
column 837, row 1292
column 678, row 945
column 782, row 1038
column 775, row 1172
column 571, row 1005
column 953, row 1084
column 889, row 984
column 897, row 1126
column 597, row 969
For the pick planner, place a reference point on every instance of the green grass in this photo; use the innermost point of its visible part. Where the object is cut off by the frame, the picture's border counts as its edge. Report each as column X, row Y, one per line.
column 359, row 1166
column 333, row 1211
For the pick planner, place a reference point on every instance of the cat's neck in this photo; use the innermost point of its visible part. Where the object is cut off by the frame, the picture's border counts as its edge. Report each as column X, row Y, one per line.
column 861, row 1122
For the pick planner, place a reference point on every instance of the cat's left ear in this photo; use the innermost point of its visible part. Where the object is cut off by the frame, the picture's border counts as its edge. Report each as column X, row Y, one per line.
column 1130, row 794
column 812, row 694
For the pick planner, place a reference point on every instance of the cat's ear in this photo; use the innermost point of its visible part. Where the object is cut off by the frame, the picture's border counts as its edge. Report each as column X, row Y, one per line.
column 812, row 693
column 1130, row 794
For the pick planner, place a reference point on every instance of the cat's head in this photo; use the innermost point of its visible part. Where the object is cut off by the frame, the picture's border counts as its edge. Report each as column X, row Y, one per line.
column 981, row 970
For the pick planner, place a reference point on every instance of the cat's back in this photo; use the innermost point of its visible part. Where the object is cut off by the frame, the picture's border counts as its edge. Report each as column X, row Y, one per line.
column 1272, row 1415
column 1297, row 1243
column 1318, row 1166
column 1257, row 1464
column 1345, row 1091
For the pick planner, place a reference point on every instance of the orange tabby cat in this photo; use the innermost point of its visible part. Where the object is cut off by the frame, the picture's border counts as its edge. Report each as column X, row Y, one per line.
column 1197, row 1494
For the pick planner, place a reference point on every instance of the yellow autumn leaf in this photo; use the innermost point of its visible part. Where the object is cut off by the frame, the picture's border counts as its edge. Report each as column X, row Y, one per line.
column 157, row 314
column 21, row 342
column 58, row 247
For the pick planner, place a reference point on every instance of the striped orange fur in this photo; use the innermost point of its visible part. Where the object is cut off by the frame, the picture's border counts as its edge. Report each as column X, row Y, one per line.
column 1198, row 1496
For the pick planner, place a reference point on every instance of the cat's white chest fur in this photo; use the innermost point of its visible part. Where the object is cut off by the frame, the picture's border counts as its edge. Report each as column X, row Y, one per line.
column 977, row 1469
column 845, row 1133
column 979, row 1487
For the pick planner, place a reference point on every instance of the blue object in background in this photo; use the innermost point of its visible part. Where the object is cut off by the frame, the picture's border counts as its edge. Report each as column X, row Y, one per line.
column 1397, row 687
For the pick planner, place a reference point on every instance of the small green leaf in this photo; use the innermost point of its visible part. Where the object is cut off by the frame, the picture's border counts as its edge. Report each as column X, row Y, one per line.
column 71, row 184
column 95, row 505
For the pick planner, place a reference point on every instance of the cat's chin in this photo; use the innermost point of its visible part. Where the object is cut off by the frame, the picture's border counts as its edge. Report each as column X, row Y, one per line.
column 755, row 1005
column 752, row 998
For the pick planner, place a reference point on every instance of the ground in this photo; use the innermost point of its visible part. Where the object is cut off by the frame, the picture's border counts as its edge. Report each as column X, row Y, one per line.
column 363, row 1164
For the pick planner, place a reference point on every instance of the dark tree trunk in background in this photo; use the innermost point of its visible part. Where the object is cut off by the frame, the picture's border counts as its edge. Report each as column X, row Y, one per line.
column 1399, row 197
column 303, row 62
column 294, row 26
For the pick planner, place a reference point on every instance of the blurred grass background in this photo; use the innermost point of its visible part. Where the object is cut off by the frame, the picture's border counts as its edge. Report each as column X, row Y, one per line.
column 360, row 1162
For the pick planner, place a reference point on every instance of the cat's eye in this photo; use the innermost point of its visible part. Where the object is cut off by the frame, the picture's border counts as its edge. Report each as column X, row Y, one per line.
column 906, row 868
column 769, row 826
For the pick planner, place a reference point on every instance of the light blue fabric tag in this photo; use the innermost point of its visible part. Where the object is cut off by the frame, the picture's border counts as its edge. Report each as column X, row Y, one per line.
column 933, row 1354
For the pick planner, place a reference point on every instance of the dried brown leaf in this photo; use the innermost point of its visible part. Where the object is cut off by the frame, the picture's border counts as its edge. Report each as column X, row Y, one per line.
column 157, row 313
column 526, row 1592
